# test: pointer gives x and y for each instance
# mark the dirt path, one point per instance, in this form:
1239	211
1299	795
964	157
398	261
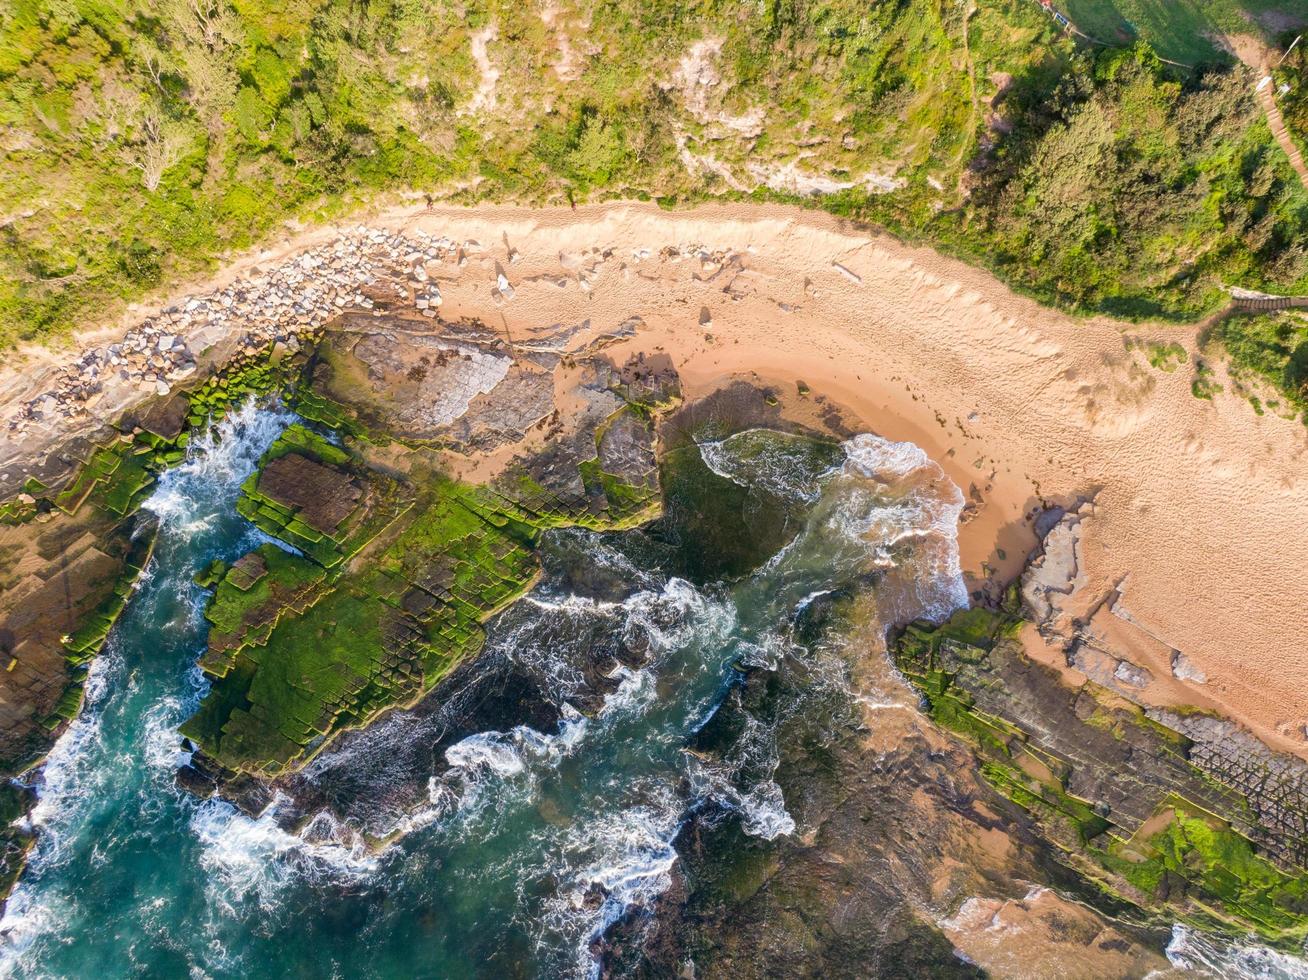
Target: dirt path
1255	54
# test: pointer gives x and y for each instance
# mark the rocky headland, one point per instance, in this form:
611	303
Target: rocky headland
466	381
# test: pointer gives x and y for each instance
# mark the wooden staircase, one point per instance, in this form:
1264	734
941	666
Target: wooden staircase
1268	303
1267	97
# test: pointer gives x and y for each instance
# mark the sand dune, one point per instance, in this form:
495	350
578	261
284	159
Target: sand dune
1198	506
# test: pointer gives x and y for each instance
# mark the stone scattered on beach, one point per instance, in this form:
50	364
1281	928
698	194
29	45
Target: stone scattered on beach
270	305
1184	670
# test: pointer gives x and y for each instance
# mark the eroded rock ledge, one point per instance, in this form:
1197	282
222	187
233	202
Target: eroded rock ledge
401	561
400	564
1171	808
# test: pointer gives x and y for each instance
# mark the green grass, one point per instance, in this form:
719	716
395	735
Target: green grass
147	140
1164	357
1203	385
1182	30
1270	351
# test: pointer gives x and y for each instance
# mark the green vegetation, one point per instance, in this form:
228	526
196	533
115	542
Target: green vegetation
1269	350
145	140
1203	385
1291	79
1201	854
1186	31
1163	357
302	648
305	645
1183	857
251	595
320	487
1127	191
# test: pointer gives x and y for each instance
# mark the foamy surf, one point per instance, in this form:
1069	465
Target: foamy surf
510	833
767	460
217	461
1190	950
917	503
614	861
251	859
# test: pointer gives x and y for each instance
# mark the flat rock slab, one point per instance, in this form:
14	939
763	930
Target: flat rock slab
322	496
419	384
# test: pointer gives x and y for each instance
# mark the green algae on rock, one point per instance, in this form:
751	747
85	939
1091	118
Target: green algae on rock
1112	790
73	545
396	571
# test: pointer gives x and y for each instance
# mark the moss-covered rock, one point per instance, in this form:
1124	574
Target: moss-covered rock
1111	789
390	590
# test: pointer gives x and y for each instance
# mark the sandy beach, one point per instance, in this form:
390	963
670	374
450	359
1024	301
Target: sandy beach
1194	515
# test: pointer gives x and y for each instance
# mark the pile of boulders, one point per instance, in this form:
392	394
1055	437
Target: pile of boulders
272	306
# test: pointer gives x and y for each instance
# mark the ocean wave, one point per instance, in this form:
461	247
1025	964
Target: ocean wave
671	618
217	461
761	806
610	863
486	766
253	859
765	459
73	776
161	745
1192	950
912	503
872	456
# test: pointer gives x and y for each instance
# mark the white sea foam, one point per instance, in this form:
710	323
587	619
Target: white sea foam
221	457
73	781
763	812
161	744
761	806
765	653
1191	950
678	613
71	776
488	752
614	860
917	502
252	859
767	460
637	690
878	458
486	765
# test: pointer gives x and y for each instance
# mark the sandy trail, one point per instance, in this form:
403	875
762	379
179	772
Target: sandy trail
1199	506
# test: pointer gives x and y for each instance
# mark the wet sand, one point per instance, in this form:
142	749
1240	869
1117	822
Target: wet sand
1198	506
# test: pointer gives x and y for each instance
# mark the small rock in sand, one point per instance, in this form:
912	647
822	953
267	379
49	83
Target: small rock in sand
1184	670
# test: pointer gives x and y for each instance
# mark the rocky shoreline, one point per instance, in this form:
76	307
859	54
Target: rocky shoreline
360	381
557	428
364	270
